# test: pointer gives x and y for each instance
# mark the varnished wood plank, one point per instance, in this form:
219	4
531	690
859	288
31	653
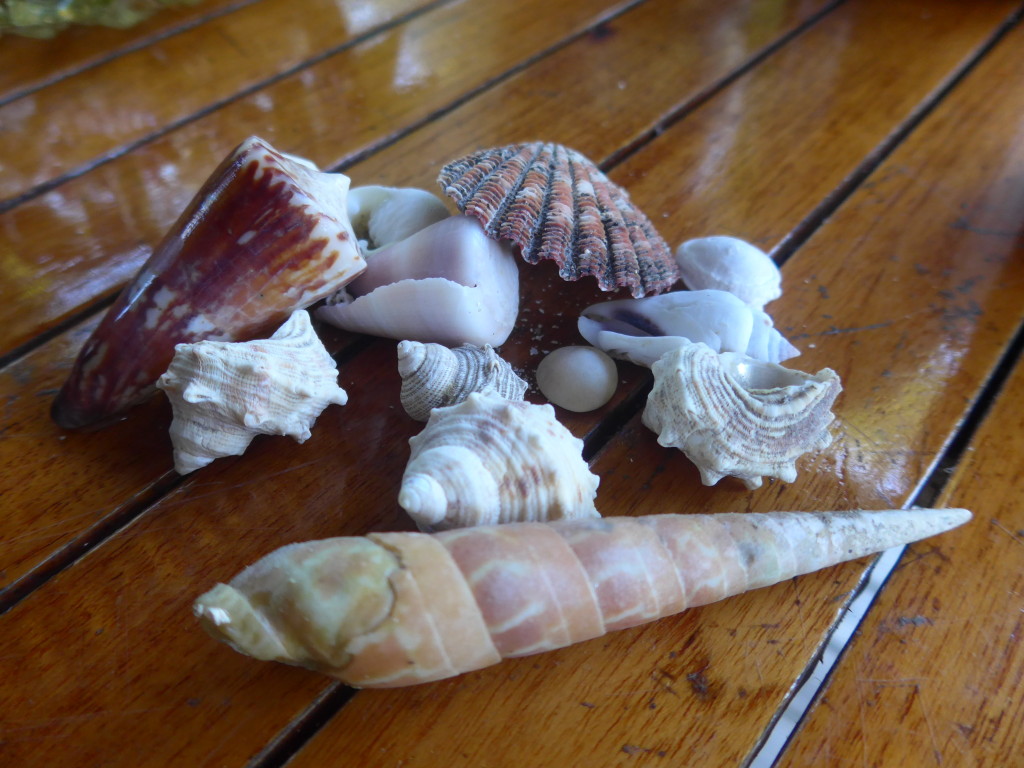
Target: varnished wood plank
901	256
80	119
69	247
934	675
49	517
202	532
28	64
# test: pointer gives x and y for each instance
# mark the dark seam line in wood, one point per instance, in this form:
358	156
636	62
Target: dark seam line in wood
124	149
926	494
81	545
705	95
803	231
291	739
355	157
386	141
138	45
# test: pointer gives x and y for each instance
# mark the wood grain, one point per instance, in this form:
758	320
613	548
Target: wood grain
933	676
121	611
78	243
50	517
134	96
28	64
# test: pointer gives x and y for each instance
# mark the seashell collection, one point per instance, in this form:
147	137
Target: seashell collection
434	376
554	203
490	460
223	394
733	415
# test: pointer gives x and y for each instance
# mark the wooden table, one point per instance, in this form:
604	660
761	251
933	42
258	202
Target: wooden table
874	147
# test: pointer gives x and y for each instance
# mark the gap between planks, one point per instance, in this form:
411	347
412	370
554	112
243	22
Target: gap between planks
138	45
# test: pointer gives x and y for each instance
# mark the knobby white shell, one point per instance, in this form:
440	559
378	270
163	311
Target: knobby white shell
223	394
733	415
434	376
381	216
490	460
642	330
730	264
449	283
579	379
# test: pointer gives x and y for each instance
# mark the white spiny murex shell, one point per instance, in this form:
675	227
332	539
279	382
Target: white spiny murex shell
434	376
491	460
733	415
730	264
642	330
223	394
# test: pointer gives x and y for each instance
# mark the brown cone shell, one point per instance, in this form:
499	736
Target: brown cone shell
554	203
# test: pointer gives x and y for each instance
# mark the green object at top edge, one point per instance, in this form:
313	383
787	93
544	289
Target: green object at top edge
45	18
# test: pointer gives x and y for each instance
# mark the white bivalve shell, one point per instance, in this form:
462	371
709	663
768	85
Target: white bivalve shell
381	216
730	264
434	376
223	394
491	460
733	415
642	330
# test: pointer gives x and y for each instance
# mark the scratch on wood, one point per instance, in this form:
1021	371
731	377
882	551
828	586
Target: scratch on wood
1007	531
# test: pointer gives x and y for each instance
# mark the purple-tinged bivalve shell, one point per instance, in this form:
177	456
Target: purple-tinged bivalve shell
554	203
266	234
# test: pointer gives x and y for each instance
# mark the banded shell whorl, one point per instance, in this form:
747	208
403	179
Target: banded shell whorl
489	460
223	394
434	376
556	204
733	415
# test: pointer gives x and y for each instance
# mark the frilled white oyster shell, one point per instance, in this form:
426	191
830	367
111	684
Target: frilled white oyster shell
730	264
223	394
434	376
733	415
448	284
491	460
642	330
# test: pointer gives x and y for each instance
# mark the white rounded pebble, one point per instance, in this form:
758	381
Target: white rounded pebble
577	378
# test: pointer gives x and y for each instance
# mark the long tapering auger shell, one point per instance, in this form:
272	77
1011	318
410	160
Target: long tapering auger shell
223	394
556	204
492	460
434	376
394	609
733	415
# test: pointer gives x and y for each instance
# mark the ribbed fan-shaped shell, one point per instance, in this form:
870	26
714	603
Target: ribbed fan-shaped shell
434	376
733	415
490	460
556	204
225	393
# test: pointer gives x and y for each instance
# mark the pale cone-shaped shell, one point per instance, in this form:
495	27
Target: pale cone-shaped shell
730	264
434	376
381	216
733	415
223	394
393	609
491	460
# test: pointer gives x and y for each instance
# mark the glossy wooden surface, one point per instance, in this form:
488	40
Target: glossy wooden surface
874	144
